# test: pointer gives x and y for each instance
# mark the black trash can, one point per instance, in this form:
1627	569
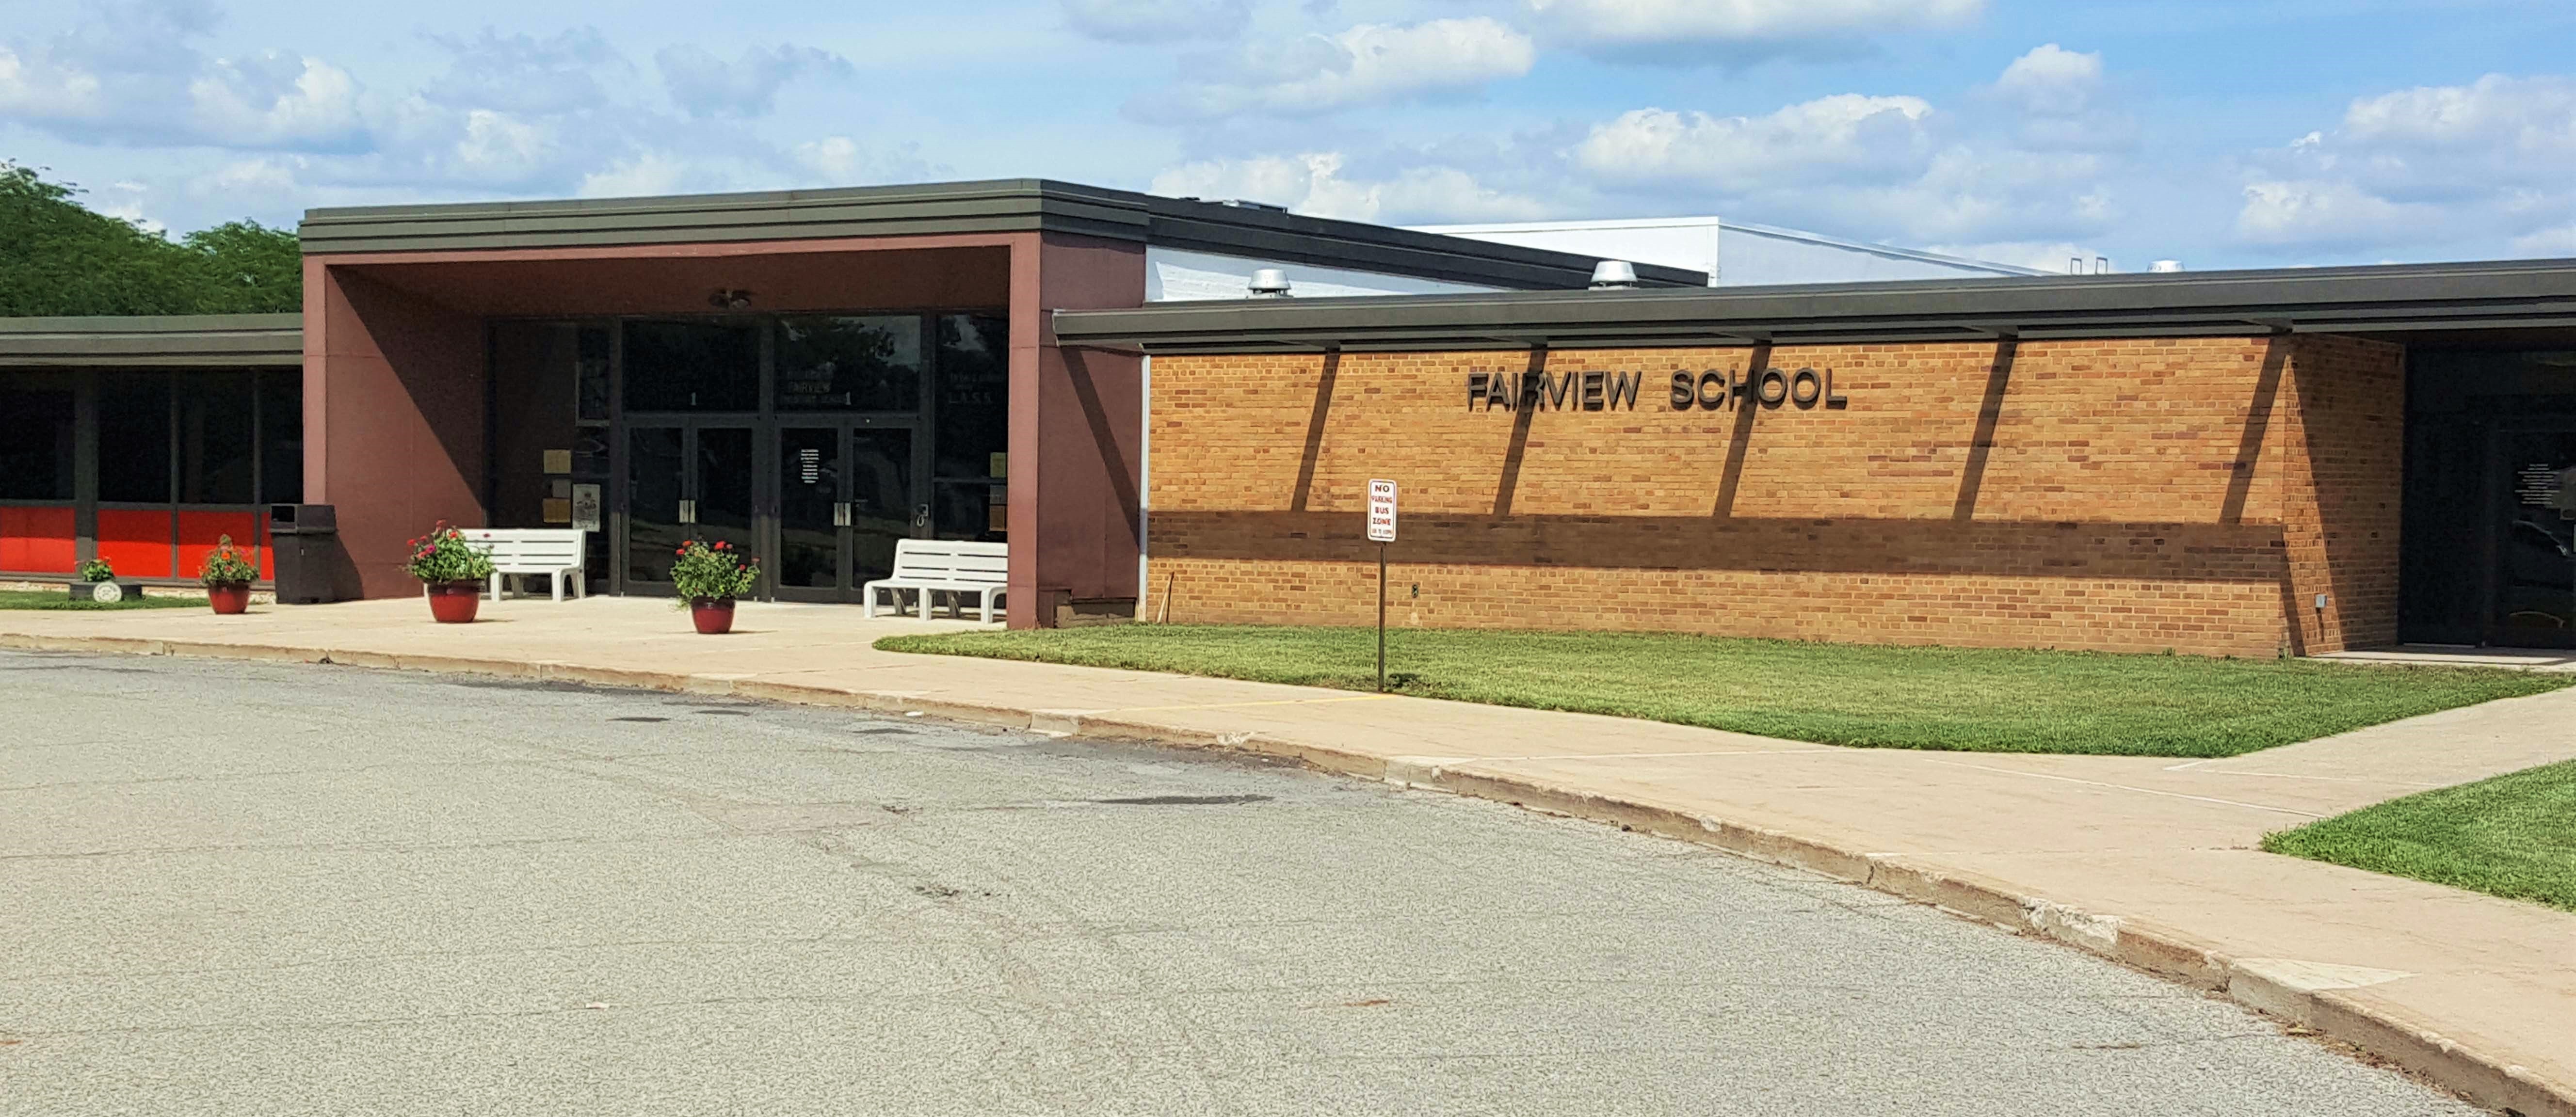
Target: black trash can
306	539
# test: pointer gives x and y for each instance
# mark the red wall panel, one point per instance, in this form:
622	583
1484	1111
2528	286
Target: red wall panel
36	540
200	531
136	541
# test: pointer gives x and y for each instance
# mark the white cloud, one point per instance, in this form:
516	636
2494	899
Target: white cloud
1158	21
705	85
1718	31
2491	162
2062	101
1365	65
499	147
41	89
2319	213
842	161
109	76
124	200
1834	136
2052	81
1313	184
837	158
252	177
2527	117
649	173
275	100
2549	243
525	74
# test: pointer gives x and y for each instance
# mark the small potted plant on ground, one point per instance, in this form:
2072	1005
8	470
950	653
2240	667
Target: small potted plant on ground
710	576
227	574
453	572
98	583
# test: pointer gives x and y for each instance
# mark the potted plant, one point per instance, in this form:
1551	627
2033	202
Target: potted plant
710	576
97	582
453	572
227	574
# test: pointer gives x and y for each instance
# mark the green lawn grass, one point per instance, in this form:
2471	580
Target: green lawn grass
57	599
1983	700
2512	836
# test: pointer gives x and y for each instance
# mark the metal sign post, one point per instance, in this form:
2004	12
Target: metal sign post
1381	530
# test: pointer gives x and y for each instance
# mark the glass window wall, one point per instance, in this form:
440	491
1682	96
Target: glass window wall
214	436
36	444
849	364
692	366
134	437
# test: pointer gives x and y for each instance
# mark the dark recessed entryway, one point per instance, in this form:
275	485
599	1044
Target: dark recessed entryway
2488	558
812	441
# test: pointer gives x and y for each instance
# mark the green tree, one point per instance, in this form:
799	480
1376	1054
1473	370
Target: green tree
57	257
248	268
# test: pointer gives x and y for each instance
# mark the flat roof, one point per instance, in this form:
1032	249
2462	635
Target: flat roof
194	340
999	205
2402	300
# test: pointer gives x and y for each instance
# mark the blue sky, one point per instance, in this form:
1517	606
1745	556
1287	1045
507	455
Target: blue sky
2225	134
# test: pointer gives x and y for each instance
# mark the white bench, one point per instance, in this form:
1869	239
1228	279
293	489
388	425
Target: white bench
548	552
928	566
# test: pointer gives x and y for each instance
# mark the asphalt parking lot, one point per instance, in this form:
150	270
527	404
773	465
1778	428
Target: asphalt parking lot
236	889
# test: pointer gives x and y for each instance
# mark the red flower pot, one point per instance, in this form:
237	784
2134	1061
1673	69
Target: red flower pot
455	602
228	600
712	615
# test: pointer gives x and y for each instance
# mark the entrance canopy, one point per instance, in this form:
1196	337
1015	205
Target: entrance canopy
811	373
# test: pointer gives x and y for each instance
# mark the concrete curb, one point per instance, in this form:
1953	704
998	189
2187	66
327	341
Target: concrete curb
2374	1029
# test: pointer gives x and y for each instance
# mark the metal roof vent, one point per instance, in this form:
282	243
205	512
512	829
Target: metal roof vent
1269	283
1614	275
2165	265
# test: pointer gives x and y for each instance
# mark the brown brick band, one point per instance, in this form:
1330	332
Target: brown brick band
2194	494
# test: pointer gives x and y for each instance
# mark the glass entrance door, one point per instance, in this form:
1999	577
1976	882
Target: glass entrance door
846	491
684	480
2535	544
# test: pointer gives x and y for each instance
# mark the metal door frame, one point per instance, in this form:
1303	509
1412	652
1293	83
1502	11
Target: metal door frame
765	424
772	542
2491	529
621	478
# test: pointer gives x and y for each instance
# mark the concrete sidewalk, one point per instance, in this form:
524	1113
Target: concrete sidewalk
2145	860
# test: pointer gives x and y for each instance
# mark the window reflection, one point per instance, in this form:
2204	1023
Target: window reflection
692	366
849	364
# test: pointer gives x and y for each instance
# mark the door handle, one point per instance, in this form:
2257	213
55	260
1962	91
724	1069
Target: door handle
688	511
921	515
841	514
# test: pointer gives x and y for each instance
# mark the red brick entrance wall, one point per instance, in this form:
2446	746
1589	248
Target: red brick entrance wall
2137	495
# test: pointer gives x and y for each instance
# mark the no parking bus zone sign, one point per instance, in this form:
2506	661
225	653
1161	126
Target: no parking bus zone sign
1381	531
1381	512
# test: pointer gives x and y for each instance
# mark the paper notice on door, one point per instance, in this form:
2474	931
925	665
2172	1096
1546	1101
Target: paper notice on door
585	507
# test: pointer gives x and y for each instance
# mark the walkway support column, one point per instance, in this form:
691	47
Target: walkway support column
393	419
1077	430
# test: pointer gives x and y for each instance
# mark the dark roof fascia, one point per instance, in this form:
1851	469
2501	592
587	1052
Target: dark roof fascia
952	208
189	340
1001	206
2376	299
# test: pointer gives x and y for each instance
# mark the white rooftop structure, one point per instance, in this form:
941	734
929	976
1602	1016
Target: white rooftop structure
1732	253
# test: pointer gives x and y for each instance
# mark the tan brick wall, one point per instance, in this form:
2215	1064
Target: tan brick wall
2342	475
2129	494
